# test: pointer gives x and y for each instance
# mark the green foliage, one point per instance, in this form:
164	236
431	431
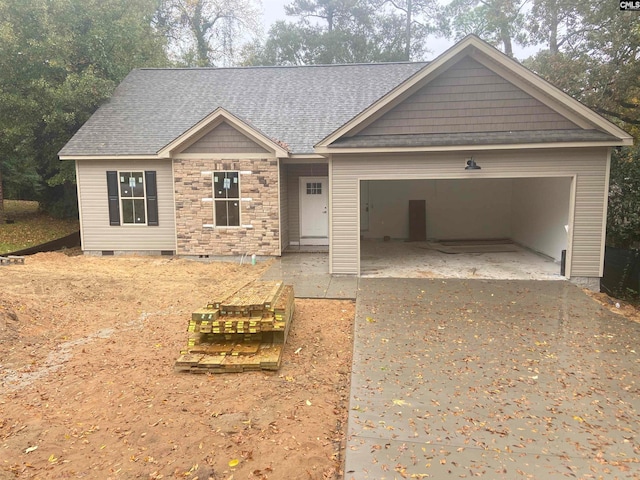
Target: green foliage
499	22
623	221
346	31
206	33
598	62
59	60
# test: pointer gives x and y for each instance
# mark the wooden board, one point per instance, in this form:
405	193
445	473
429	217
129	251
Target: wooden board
244	332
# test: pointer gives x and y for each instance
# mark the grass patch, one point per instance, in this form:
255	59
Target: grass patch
30	226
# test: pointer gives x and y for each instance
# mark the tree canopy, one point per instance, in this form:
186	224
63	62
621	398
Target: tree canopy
58	61
207	33
348	31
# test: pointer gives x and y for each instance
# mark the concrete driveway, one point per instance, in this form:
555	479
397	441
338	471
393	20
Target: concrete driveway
493	379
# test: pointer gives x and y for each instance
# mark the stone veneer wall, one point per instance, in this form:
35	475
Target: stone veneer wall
259	231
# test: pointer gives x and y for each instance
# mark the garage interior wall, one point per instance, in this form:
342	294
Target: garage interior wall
540	211
530	211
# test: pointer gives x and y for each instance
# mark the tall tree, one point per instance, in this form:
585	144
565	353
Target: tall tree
207	33
623	219
499	22
555	24
598	61
421	18
59	59
592	51
337	31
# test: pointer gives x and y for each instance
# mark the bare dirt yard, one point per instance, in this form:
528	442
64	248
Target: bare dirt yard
88	387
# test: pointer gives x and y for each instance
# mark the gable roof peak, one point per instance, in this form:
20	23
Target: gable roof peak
505	66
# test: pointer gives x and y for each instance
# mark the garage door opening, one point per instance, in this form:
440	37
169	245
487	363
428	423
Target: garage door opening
511	228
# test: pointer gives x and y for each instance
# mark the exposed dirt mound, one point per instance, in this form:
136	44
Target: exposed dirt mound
615	305
9	321
88	387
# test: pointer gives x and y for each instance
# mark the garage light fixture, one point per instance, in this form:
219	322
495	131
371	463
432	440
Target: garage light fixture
472	165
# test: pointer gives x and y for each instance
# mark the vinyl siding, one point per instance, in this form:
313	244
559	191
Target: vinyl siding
468	97
284	206
97	234
588	165
224	139
294	172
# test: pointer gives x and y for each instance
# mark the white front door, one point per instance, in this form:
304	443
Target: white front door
314	211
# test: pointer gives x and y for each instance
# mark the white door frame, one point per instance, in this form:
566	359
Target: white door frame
313	240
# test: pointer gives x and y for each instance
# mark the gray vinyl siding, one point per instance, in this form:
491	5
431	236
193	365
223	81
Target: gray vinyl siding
284	206
294	172
225	139
92	196
588	165
468	97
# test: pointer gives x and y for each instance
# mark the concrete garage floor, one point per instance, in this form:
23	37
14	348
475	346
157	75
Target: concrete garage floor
421	260
498	379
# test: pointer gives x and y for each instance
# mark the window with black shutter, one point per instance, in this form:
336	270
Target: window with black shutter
133	198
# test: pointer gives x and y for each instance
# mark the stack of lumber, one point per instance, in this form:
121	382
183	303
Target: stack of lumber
245	331
9	259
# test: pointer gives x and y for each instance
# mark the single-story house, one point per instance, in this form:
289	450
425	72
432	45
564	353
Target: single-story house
235	161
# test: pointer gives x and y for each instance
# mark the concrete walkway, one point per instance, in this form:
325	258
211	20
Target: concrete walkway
497	379
309	275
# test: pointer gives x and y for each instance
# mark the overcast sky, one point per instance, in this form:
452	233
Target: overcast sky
274	11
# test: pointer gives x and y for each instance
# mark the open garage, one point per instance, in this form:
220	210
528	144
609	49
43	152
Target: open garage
472	149
482	228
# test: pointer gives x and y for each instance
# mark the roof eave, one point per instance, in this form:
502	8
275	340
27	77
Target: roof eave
134	156
468	147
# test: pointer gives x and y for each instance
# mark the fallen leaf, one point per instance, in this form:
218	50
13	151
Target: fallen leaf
31	449
234	462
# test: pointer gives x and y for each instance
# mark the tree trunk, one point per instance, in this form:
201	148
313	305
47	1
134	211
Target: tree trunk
3	217
506	41
202	47
553	29
407	48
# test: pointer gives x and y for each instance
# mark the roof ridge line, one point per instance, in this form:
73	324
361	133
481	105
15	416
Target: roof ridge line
257	67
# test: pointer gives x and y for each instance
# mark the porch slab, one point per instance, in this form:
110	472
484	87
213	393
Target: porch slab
309	275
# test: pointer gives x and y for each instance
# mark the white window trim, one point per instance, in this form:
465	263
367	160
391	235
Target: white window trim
144	198
239	199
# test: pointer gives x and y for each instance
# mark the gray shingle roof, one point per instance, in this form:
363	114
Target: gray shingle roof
480	138
295	105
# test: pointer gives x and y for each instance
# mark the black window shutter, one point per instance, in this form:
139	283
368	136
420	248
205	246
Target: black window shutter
114	198
152	198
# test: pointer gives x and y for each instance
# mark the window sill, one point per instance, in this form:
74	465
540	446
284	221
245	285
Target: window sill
233	227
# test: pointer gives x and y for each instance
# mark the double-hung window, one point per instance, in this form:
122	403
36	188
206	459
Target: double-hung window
133	198
226	198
